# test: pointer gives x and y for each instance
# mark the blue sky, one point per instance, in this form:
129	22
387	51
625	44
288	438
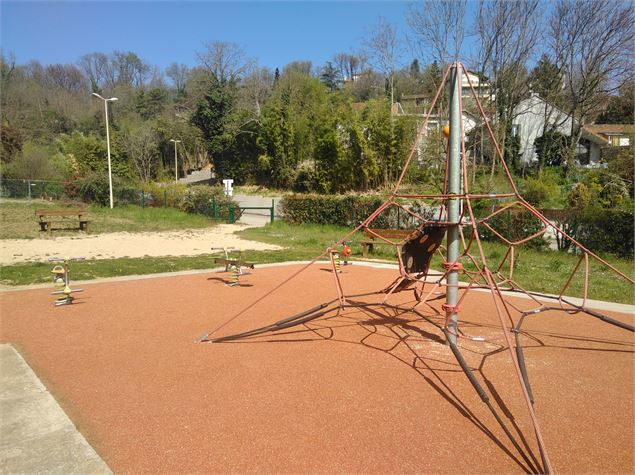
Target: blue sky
275	33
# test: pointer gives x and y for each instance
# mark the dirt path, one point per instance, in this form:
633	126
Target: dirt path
113	245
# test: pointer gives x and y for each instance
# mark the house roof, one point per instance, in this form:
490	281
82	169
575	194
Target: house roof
611	129
593	137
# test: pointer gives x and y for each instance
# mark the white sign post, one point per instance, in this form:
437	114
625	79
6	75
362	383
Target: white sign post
229	190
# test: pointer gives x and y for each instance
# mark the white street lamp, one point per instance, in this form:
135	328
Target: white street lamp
176	170
112	99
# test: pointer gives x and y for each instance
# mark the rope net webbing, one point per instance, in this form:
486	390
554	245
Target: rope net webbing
496	282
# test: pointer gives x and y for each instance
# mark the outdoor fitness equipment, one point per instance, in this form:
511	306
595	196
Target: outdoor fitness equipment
455	221
232	264
62	280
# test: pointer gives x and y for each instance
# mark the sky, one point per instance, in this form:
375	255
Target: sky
163	32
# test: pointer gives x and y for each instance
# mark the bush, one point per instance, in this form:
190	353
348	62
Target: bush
165	194
605	230
207	200
339	210
94	188
91	188
579	197
514	224
540	191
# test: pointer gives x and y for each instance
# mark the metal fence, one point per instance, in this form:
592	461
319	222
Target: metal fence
31	189
216	209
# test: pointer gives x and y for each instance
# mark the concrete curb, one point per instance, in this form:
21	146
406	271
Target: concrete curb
37	435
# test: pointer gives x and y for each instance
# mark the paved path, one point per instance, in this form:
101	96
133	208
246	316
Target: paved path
36	435
260	202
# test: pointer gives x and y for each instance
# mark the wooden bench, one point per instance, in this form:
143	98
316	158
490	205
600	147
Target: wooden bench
394	235
47	217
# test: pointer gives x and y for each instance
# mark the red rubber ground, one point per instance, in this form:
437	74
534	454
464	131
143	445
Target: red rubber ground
366	391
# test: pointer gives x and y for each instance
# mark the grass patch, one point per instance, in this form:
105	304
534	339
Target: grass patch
19	221
540	271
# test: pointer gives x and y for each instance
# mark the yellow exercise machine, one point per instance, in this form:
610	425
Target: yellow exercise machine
62	280
232	264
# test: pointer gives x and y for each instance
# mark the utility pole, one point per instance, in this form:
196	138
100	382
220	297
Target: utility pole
106	101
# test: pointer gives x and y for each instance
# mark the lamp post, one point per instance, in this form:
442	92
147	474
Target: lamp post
112	99
176	170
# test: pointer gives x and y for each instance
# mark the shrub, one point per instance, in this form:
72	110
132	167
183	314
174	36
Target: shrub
347	210
203	199
514	224
605	230
579	197
91	188
538	192
597	229
165	194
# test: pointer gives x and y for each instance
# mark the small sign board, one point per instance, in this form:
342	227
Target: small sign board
229	189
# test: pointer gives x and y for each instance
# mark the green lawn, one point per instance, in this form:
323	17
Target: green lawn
19	222
540	271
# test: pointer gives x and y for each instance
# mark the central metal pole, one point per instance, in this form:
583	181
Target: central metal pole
454	204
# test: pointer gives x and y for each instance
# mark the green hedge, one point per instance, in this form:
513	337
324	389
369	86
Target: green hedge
514	224
605	230
348	210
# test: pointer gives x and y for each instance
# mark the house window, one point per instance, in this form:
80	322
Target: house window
614	140
515	130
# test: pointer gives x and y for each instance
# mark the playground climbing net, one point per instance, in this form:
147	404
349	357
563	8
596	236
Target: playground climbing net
456	214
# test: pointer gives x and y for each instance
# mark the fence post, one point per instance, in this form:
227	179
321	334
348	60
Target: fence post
165	198
273	207
231	214
214	210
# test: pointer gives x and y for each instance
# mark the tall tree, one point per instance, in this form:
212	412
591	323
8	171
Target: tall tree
329	76
592	43
213	117
437	29
226	61
508	34
619	109
178	73
140	145
384	51
256	87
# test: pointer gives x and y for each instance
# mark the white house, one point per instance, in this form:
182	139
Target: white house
481	86
600	136
532	117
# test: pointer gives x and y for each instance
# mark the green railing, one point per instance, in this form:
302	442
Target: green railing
217	209
31	189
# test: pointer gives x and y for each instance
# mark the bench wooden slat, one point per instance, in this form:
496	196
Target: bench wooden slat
387	233
391	234
60	212
45	215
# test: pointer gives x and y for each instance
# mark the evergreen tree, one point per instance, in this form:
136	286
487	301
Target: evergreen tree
213	117
545	79
329	76
414	68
